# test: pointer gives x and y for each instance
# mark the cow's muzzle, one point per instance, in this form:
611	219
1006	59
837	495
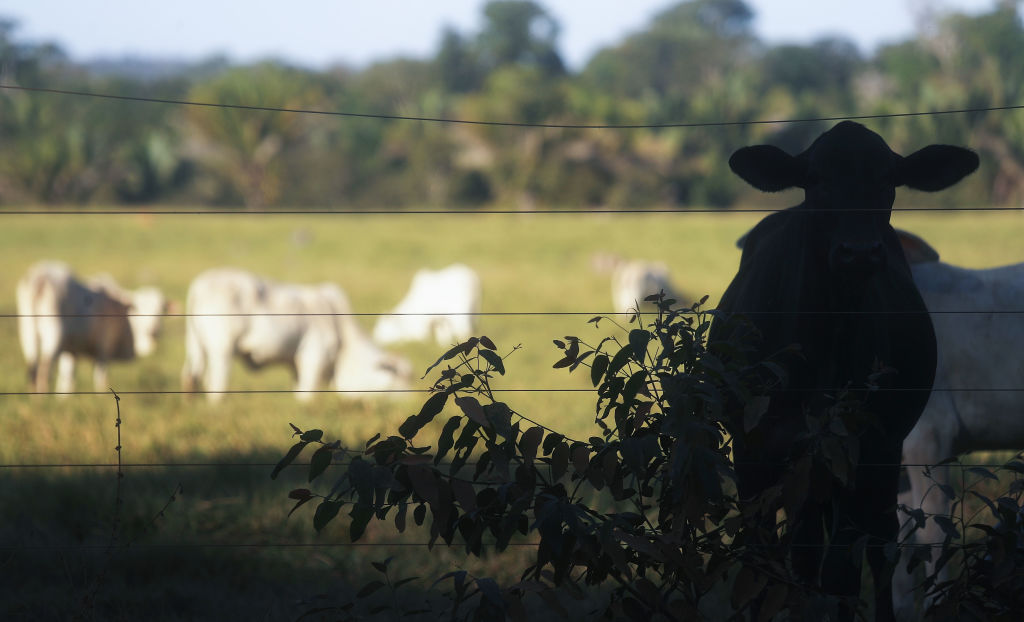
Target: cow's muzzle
859	258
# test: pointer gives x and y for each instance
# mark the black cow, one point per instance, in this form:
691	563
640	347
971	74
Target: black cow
829	275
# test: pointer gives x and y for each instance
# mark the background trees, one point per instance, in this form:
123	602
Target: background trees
698	61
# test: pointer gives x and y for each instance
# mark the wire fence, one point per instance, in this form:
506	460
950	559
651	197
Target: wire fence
9	467
516	124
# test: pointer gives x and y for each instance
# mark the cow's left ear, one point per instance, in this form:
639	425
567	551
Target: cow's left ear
768	168
936	167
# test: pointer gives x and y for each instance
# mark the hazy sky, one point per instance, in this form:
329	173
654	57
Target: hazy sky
316	33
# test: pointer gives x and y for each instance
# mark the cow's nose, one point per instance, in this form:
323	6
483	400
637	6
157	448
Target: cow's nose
867	257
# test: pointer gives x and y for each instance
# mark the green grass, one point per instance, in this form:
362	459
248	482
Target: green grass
528	263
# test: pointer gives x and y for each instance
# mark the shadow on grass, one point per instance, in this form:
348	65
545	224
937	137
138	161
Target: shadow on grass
223	549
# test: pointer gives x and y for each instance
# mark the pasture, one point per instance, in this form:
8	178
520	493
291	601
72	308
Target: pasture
205	557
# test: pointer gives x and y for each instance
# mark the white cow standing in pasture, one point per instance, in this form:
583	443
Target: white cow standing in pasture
979	353
441	305
633	280
61	317
233	312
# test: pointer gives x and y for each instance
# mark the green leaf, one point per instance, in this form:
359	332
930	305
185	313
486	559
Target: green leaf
983	472
447	439
494	360
369	588
559	460
491	592
638	340
289	457
320	461
301	503
303	495
472	408
620	359
312	436
487	343
752	411
434	405
361	514
325	513
597	368
530	441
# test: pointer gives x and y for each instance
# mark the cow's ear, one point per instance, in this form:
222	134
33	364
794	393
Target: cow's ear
742	241
915	249
767	168
936	167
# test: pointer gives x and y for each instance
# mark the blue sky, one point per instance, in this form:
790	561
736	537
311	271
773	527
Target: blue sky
317	33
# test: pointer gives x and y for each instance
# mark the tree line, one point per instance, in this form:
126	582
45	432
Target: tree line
698	61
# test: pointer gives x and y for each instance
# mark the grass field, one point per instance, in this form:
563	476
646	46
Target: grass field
187	564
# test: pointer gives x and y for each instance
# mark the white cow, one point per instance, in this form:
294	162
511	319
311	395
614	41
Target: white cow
980	351
307	327
634	280
61	316
441	305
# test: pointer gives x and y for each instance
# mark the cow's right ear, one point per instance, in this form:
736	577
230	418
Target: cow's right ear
767	168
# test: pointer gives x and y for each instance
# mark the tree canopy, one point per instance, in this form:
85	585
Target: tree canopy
696	62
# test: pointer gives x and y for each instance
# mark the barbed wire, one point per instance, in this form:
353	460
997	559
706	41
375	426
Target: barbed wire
424	391
506	313
571	126
174	465
249	545
481	212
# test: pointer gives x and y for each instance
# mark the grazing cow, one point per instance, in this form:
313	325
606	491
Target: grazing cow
61	316
307	327
441	305
634	280
978	351
829	275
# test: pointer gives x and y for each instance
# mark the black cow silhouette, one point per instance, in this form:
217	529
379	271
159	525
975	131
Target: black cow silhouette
829	275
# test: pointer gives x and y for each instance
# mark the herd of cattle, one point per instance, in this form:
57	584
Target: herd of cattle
830	274
234	313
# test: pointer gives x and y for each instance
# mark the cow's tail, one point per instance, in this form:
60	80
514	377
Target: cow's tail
195	356
28	333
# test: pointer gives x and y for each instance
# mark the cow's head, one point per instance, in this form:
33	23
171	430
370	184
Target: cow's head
144	316
849	176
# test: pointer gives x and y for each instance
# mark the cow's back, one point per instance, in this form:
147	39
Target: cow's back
980	338
79	319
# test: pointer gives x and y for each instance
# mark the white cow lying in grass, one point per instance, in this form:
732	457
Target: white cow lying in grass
61	316
634	280
441	305
236	313
979	351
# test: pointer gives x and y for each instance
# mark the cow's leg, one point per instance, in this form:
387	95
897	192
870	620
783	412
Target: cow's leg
195	360
880	519
218	366
310	369
808	539
926	445
840	576
50	337
870	510
99	375
65	373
